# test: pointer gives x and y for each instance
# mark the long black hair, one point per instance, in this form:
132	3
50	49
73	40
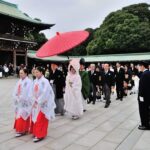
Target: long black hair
40	69
25	71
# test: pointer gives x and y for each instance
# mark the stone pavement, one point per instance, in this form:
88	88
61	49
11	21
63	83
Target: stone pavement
114	128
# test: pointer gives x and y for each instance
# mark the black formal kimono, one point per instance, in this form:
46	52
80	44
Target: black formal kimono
57	81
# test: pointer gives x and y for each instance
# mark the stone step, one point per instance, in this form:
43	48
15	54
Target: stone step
131	140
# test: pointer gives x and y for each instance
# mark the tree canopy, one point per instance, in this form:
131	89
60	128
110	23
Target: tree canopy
124	31
40	38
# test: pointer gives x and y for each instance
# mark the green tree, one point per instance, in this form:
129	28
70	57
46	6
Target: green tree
123	31
40	38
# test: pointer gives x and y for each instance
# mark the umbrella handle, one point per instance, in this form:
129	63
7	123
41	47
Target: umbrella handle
68	57
57	33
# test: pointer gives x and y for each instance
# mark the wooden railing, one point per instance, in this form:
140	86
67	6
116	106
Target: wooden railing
10	37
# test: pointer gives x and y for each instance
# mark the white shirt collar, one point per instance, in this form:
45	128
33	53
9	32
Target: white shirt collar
145	70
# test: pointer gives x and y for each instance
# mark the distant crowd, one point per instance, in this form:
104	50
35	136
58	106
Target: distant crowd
7	70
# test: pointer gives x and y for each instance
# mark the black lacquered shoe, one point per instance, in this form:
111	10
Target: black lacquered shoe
143	128
19	134
84	110
106	105
35	140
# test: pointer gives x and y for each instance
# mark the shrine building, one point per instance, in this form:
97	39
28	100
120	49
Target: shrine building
16	30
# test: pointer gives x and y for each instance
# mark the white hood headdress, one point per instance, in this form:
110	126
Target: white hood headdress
75	64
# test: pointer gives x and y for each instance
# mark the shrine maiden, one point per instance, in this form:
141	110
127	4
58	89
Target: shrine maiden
43	105
73	95
22	97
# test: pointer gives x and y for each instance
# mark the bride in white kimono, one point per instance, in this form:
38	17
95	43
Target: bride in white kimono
43	105
73	95
22	97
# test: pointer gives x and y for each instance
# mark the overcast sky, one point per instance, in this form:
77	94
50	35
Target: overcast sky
69	15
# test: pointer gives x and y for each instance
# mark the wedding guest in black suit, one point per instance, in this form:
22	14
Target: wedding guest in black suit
144	97
119	78
107	83
94	80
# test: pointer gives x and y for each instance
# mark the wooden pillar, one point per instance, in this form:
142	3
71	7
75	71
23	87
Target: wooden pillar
14	59
26	59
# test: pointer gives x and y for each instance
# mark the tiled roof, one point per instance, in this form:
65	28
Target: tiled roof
12	10
97	58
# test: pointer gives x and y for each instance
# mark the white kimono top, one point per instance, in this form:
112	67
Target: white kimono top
22	97
44	96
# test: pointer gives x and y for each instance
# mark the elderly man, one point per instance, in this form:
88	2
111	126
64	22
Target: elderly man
107	83
94	80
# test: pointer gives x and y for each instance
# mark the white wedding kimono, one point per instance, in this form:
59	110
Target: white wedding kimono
73	96
22	97
44	96
136	84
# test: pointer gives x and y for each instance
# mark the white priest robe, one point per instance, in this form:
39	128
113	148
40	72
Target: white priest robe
22	97
44	96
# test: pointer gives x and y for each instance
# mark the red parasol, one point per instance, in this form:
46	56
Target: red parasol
61	43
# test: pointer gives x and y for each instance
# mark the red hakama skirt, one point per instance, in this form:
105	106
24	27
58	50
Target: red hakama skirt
39	128
22	125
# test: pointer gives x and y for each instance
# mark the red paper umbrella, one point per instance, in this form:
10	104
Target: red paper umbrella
61	43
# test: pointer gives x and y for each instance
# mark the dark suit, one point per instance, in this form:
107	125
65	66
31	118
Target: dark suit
134	71
144	98
94	79
107	83
1	69
119	78
100	91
